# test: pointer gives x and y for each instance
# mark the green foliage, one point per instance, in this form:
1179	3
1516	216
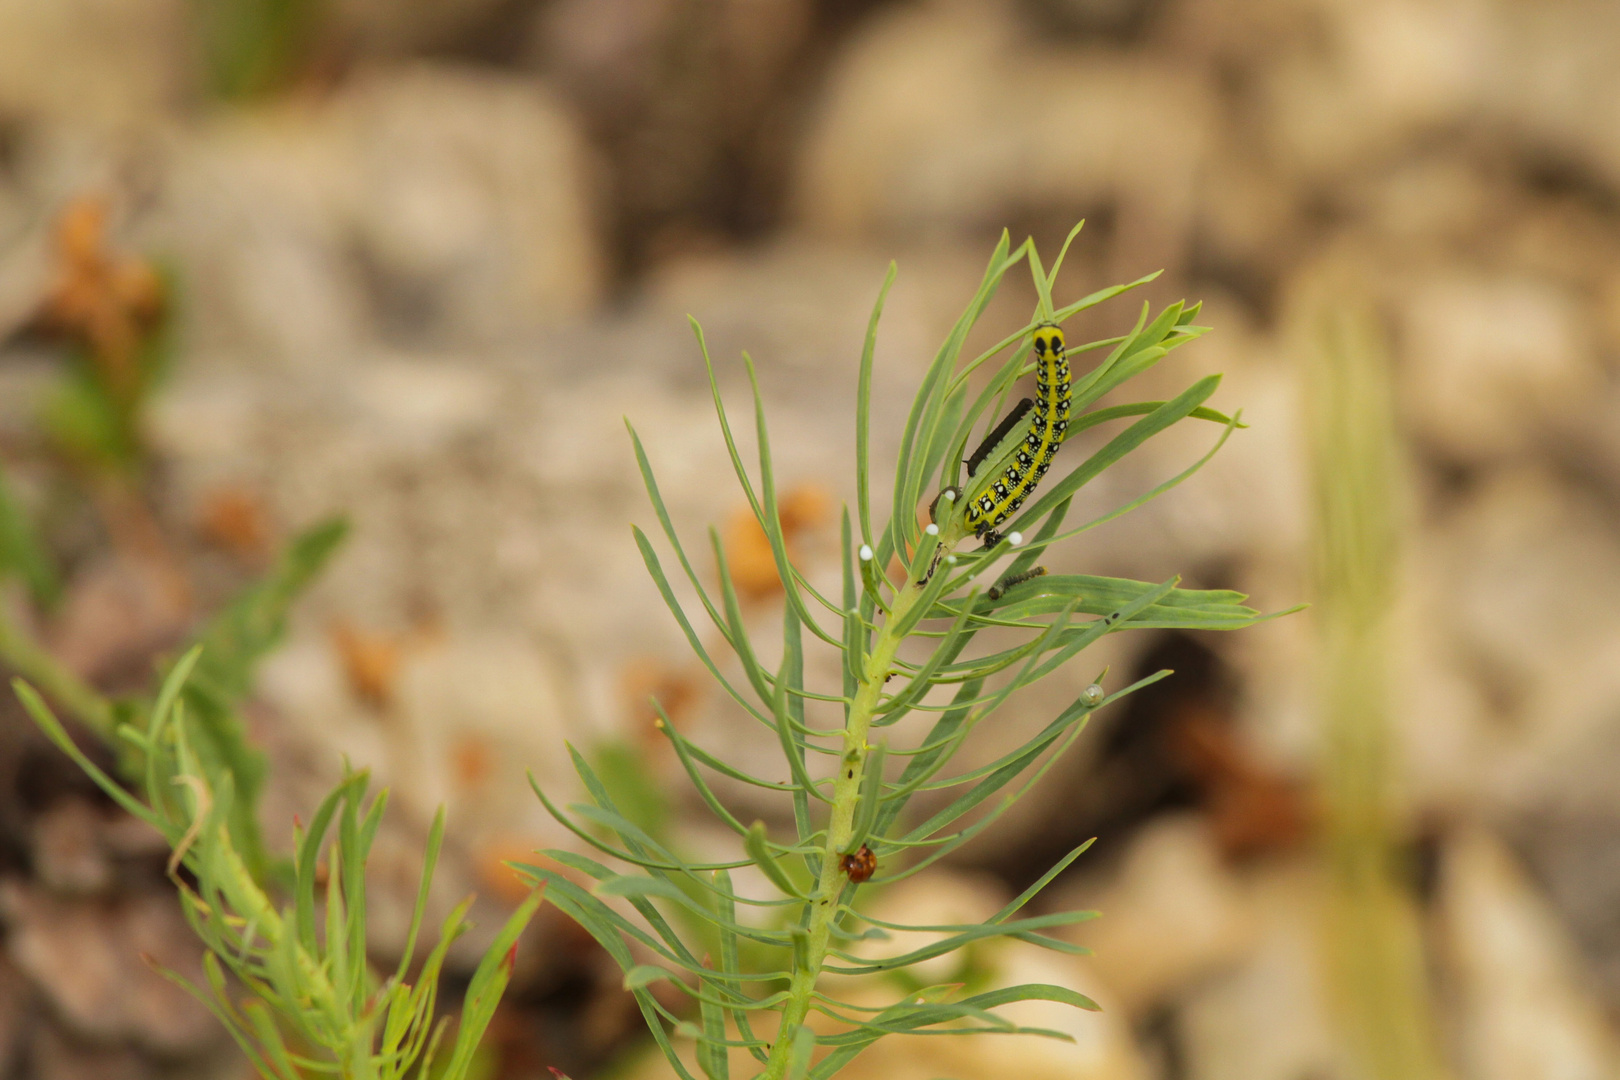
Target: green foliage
843	792
1375	959
250	47
93	413
232	644
22	555
315	1004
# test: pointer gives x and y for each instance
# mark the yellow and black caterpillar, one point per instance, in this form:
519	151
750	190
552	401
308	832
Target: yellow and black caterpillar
1004	470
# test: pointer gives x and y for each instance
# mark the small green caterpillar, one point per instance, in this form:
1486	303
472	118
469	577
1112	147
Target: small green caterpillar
1005	468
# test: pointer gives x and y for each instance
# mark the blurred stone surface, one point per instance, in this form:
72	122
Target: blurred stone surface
1172	915
1504	570
117	63
16	1002
943	117
438	204
1558	808
1524	1009
1491	364
393	285
1266	1017
86	956
391	28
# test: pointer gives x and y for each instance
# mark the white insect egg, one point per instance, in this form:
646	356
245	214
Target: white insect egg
949	494
866	553
932	530
1092	696
1014	539
950	560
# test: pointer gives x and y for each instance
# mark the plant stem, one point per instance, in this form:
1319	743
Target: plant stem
840	828
20	653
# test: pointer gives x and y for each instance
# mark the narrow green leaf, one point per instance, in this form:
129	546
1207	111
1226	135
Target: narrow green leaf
863	415
754	843
804	1044
22	554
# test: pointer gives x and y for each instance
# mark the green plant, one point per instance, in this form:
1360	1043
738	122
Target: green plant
1375	954
250	48
314	1005
846	806
290	933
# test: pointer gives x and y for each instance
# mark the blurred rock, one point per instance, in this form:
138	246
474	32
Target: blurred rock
1266	1017
16	1001
476	218
405	27
1357	82
925	129
96	62
1561	809
422	204
1558	94
1502	570
119	610
69	856
1524	1010
85	955
62	1055
1488	365
695	105
1171	916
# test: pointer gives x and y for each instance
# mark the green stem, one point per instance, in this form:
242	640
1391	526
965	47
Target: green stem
20	653
840	827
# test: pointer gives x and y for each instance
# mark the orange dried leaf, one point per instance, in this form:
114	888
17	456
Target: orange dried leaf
371	662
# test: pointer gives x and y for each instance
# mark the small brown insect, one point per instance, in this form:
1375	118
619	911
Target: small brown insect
859	865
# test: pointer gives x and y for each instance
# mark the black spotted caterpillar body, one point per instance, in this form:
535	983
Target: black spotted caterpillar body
1005	469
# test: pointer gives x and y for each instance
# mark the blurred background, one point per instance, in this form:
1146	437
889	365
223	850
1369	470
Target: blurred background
412	262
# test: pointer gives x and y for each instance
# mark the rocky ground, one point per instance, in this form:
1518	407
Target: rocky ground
424	280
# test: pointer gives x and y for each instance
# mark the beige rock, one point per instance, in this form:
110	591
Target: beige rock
476	194
1173	915
111	63
1267	1017
1487	363
1559	92
1357	82
85	955
69	855
1523	1009
396	27
429	203
1506	562
925	128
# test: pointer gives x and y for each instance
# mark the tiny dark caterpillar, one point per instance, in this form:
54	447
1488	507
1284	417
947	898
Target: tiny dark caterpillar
997	494
999	589
859	865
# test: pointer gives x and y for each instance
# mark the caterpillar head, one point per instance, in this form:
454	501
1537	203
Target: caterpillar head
1047	339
